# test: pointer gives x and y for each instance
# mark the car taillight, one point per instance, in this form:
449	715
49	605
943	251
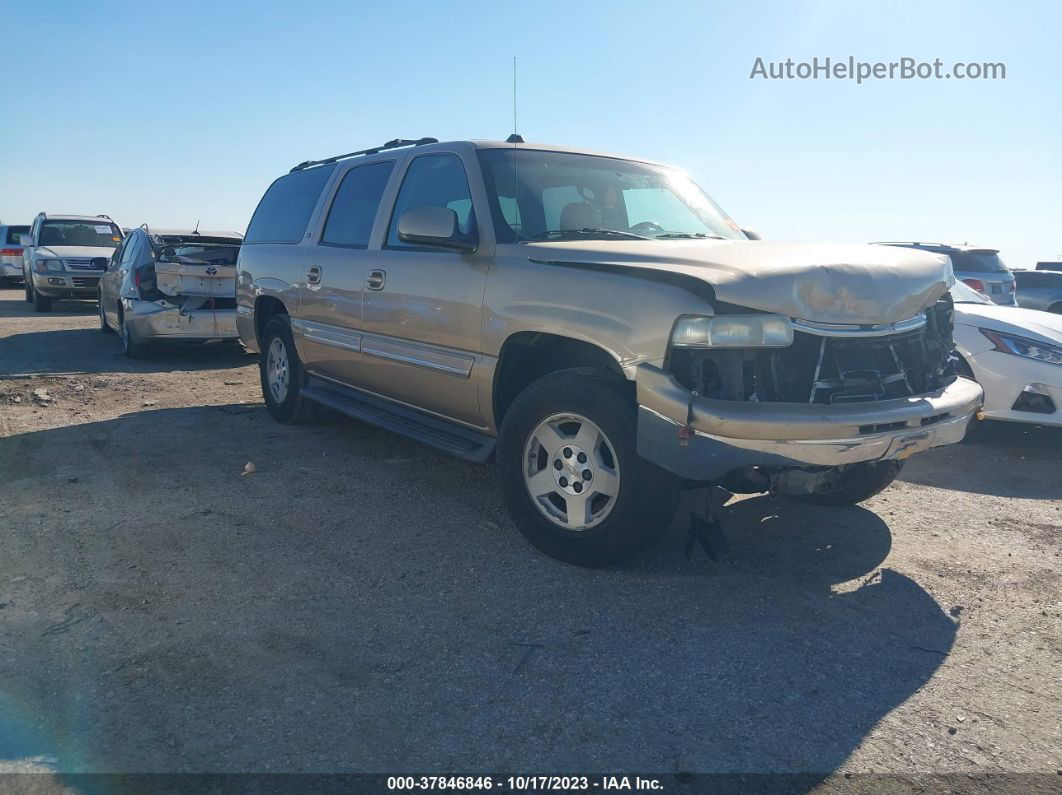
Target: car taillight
10	252
976	284
1014	285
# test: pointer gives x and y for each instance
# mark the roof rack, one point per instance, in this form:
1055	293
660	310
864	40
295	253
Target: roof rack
395	144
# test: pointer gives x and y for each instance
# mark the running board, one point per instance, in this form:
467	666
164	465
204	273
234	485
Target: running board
416	425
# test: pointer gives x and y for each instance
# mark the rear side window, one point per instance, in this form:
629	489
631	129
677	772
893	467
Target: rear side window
285	210
433	181
354	207
14	234
976	262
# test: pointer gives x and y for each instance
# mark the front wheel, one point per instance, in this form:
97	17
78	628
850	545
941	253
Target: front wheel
103	317
283	376
570	473
857	482
29	291
41	303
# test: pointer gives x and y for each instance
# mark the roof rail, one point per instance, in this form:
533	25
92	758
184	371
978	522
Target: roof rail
394	144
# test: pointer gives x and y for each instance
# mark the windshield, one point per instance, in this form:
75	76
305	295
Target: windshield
976	262
103	234
963	294
537	195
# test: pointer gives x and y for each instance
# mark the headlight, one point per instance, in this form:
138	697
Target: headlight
45	265
733	331
1021	346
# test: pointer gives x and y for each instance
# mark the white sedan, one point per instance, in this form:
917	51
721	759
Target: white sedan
1014	354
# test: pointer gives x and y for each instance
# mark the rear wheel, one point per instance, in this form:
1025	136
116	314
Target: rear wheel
134	347
41	303
571	476
858	482
283	376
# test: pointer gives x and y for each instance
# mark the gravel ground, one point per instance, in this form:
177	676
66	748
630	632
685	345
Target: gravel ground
362	604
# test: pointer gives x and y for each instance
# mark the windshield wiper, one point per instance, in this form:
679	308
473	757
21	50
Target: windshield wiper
587	231
687	236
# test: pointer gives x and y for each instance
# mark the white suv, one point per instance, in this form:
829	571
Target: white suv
64	256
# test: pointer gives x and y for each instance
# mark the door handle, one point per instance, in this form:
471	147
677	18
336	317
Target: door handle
376	280
313	275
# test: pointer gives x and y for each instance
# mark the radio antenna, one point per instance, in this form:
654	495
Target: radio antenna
514	95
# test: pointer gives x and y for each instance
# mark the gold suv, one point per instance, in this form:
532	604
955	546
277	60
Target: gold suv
599	328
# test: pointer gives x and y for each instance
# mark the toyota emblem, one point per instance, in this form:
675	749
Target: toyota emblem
212	271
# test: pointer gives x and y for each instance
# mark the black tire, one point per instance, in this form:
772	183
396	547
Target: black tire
647	495
132	345
103	318
41	303
295	408
858	482
29	291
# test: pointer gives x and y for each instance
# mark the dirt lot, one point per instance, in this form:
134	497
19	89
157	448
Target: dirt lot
360	603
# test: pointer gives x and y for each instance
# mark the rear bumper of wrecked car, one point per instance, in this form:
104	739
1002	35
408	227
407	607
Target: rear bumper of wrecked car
158	320
703	439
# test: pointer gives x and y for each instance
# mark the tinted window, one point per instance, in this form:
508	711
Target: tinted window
1049	266
285	210
14	233
434	181
354	207
976	262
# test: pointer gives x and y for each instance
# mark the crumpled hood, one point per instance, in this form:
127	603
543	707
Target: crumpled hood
1029	323
73	252
825	283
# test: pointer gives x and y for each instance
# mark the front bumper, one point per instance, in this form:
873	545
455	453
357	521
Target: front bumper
63	284
154	320
1004	378
702	439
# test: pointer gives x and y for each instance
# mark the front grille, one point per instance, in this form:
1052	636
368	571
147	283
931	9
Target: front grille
95	264
85	281
830	370
837	370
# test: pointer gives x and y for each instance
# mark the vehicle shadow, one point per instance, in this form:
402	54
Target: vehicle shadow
1004	459
52	352
13	305
362	604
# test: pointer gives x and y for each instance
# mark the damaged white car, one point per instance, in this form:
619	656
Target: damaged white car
170	286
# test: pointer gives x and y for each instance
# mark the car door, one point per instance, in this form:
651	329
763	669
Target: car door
330	311
117	278
422	306
109	282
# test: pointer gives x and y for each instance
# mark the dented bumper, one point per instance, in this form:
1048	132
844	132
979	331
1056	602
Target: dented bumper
162	320
703	439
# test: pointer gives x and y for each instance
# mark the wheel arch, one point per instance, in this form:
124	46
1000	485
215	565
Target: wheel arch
527	356
266	307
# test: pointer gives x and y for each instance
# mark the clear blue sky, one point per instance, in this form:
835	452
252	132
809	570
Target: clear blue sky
173	112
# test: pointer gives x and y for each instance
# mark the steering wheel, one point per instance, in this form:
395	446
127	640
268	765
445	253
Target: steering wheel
646	226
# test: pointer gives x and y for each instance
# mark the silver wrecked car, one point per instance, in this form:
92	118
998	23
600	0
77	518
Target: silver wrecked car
170	286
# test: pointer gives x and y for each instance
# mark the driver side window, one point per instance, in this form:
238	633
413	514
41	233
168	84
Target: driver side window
434	181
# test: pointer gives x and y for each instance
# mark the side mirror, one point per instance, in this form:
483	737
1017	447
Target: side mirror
433	226
751	234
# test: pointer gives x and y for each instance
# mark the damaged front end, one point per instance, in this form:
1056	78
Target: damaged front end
804	400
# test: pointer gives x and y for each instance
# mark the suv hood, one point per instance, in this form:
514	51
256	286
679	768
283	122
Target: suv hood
824	283
73	252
